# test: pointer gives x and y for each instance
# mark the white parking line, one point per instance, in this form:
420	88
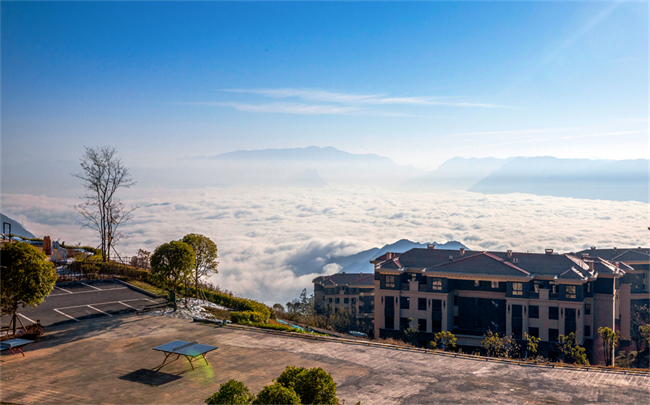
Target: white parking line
75	319
91	286
62	289
98	310
27	318
94	291
126	305
104	303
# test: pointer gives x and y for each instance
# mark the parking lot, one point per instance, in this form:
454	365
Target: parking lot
81	301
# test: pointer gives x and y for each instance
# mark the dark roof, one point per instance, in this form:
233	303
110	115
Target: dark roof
632	255
544	263
369	278
422	258
480	263
572	274
602	266
610	254
345	278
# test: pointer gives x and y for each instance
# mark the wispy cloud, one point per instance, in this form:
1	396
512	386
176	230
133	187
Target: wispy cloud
319	95
283	108
308	101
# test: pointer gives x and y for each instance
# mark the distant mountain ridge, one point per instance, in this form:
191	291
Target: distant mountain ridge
310	153
16	227
619	180
360	262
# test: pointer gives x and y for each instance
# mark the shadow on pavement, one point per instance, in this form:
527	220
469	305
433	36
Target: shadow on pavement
150	377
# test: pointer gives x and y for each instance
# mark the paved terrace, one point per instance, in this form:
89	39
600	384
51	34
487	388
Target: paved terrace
108	360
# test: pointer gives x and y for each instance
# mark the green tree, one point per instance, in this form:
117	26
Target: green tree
492	344
205	257
571	351
231	392
26	278
610	340
532	343
315	386
173	263
288	376
445	338
277	394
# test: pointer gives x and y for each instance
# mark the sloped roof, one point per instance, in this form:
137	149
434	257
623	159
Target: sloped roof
572	274
610	254
480	263
543	263
602	266
632	255
345	278
422	258
368	279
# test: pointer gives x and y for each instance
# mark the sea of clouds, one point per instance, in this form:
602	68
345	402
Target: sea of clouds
274	241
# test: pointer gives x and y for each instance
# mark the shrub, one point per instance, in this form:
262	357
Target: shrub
231	392
247	317
444	338
315	386
288	376
277	394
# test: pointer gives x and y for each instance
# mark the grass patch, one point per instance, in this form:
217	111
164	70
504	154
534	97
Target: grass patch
146	286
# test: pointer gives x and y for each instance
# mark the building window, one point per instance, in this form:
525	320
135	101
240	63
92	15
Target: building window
403	323
476	283
422	304
404	303
536	287
495	303
587	309
553	313
553	335
390	282
354	301
587	330
553	289
588	287
517	289
533	311
436	284
422	325
346	300
389	322
533	332
337	300
494	326
330	300
436	305
517	311
570	292
495	284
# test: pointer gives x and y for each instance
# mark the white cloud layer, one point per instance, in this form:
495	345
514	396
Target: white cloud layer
273	241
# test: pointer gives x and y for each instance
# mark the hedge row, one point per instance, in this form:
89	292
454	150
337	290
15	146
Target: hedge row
235	303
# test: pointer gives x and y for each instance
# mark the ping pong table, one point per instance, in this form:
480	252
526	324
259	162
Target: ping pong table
191	350
15	344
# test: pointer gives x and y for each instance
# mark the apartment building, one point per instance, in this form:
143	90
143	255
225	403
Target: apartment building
353	292
543	294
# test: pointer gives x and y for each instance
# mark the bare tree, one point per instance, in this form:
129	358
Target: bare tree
103	174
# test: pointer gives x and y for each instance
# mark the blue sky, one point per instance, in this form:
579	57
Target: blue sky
417	82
